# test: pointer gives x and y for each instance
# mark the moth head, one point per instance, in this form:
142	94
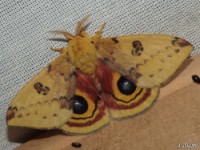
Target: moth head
79	45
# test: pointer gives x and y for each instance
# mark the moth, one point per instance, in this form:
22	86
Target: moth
95	79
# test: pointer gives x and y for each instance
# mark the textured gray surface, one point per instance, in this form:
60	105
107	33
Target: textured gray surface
25	48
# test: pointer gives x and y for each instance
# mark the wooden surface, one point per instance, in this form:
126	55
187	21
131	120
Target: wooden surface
172	123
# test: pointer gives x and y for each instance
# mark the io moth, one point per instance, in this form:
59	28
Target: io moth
95	79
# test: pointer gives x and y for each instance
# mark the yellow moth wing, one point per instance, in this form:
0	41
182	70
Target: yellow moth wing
44	102
148	59
121	96
95	118
131	105
93	114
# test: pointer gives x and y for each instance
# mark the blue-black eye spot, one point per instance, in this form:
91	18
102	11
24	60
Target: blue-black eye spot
126	86
80	105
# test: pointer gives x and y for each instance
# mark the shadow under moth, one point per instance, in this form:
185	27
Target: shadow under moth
95	79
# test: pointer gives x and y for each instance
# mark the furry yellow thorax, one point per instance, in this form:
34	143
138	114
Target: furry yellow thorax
82	53
81	50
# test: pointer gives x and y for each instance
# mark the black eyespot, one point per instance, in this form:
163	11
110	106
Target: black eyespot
80	105
126	86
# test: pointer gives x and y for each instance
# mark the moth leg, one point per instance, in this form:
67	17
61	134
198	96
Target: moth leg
67	35
58	49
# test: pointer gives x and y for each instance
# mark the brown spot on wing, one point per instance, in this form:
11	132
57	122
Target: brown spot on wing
184	43
114	39
137	48
145	61
176	50
55	115
19	116
49	67
137	65
169	55
180	42
41	89
38	87
54	99
175	40
151	75
61	73
10	113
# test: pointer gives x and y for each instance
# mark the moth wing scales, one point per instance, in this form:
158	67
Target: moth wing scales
123	102
44	102
95	116
148	59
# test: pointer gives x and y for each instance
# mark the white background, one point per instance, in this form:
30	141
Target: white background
25	48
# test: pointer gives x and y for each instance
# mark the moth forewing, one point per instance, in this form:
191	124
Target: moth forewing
45	101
